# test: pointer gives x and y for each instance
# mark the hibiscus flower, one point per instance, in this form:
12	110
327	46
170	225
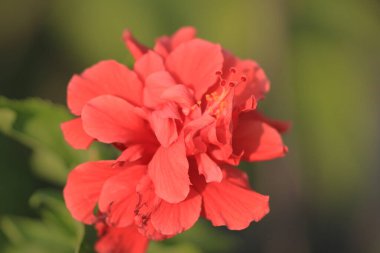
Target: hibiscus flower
183	118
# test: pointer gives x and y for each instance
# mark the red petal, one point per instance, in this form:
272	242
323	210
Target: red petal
164	128
132	153
258	140
111	119
208	168
195	63
280	126
122	240
193	144
75	135
257	83
105	77
179	94
168	170
149	63
155	85
148	202
229	204
118	198
171	219
183	35
164	45
137	50
83	187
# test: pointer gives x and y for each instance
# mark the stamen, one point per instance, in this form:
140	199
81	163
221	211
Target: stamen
233	70
243	78
223	82
218	73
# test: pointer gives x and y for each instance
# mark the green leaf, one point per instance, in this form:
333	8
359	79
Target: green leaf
36	124
55	232
7	118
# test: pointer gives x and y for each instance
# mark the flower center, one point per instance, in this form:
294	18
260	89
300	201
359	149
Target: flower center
217	101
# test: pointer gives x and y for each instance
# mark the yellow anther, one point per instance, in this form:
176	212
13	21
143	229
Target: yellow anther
199	102
208	98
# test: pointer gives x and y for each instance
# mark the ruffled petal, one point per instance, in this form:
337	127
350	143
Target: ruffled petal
137	49
111	119
208	168
229	204
195	64
257	83
164	45
194	143
149	63
83	187
118	199
279	125
105	77
181	95
75	135
257	140
164	128
135	152
183	35
168	170
148	202
171	219
122	240
155	85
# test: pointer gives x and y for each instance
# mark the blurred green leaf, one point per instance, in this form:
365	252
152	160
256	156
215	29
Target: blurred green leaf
88	241
36	124
55	232
184	247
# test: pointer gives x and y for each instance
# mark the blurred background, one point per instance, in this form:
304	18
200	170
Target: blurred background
322	58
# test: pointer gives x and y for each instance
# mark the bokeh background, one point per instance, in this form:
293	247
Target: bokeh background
322	58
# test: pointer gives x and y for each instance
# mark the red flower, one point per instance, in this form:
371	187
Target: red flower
119	240
183	117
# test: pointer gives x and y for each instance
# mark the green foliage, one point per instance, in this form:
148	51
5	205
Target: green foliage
35	123
55	231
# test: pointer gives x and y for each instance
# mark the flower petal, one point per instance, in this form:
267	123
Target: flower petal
195	63
257	83
119	198
137	49
229	204
280	126
149	63
83	187
132	153
75	135
164	128
179	94
122	240
105	77
183	35
148	202
111	119
171	219
258	140
208	168
168	170
164	45
155	85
